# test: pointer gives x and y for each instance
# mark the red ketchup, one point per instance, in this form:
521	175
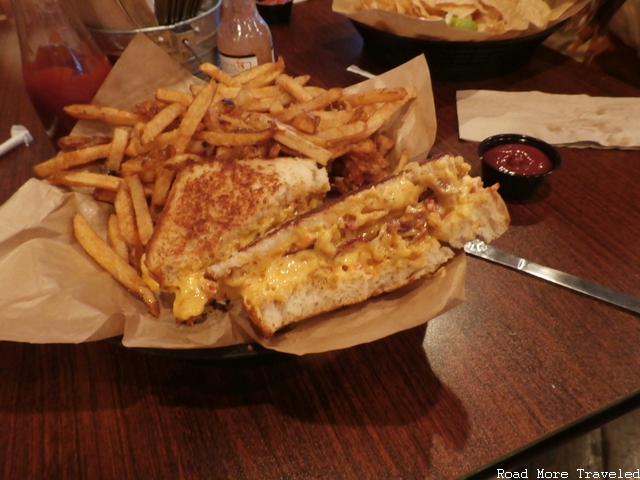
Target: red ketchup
518	159
59	76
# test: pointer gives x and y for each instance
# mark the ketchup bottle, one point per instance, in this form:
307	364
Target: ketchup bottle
61	63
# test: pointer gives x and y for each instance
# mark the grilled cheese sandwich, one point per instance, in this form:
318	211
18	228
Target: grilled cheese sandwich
214	209
371	241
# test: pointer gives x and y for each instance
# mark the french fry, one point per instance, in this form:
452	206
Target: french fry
382	115
115	237
194	115
258	121
379	95
216	73
147	109
314	90
77	142
223	92
140	208
269	91
230	139
332	118
167	95
245	100
276	108
83	178
75	158
306	122
350	132
109	260
161	121
319	102
116	152
229	121
147	189
127	220
135	148
254	75
148	174
162	186
110	115
144	166
106	196
262	75
294	88
386	111
133	166
180	161
277	93
288	137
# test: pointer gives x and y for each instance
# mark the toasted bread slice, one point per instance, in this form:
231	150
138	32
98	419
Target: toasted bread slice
216	208
374	240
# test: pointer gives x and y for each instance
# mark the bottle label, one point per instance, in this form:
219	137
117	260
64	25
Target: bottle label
233	64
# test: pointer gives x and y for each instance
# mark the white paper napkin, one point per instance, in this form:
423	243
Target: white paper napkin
567	120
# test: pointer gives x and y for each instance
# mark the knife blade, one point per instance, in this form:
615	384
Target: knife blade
480	249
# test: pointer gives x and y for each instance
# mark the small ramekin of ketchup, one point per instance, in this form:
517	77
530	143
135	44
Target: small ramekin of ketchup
518	163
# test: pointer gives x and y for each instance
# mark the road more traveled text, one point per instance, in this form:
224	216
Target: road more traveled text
579	473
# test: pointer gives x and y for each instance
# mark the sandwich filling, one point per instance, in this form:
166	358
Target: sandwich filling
384	236
216	208
384	225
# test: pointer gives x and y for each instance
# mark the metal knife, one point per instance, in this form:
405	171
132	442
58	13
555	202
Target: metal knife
480	249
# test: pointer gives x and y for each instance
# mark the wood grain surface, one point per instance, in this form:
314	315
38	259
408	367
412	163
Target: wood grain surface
518	363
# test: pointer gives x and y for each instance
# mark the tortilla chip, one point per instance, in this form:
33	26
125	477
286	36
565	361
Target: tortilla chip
491	16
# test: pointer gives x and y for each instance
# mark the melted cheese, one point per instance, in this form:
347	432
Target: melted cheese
151	283
363	259
332	252
375	229
193	292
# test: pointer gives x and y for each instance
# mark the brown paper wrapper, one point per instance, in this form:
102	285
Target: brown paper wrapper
54	293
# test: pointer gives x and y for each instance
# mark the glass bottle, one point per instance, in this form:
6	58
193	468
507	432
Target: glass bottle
244	38
61	63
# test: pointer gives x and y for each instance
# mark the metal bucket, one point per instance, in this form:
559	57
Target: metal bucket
190	42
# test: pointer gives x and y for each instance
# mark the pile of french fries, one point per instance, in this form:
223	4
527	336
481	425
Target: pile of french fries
258	113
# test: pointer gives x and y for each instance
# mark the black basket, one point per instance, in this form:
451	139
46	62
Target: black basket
457	61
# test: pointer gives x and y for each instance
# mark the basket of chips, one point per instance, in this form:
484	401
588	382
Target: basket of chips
461	39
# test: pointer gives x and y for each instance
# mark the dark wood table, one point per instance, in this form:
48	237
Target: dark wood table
521	363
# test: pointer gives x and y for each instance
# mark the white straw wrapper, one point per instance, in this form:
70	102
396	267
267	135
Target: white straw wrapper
19	135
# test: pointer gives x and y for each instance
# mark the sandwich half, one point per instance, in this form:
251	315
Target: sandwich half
373	240
214	209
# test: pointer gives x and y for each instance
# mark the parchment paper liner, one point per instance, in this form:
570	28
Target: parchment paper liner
423	29
54	293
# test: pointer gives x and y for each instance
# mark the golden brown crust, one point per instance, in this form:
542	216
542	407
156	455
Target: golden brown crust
216	207
196	186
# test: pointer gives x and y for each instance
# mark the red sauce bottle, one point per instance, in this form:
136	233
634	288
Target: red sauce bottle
61	63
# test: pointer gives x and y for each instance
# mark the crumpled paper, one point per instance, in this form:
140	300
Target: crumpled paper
563	120
54	293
